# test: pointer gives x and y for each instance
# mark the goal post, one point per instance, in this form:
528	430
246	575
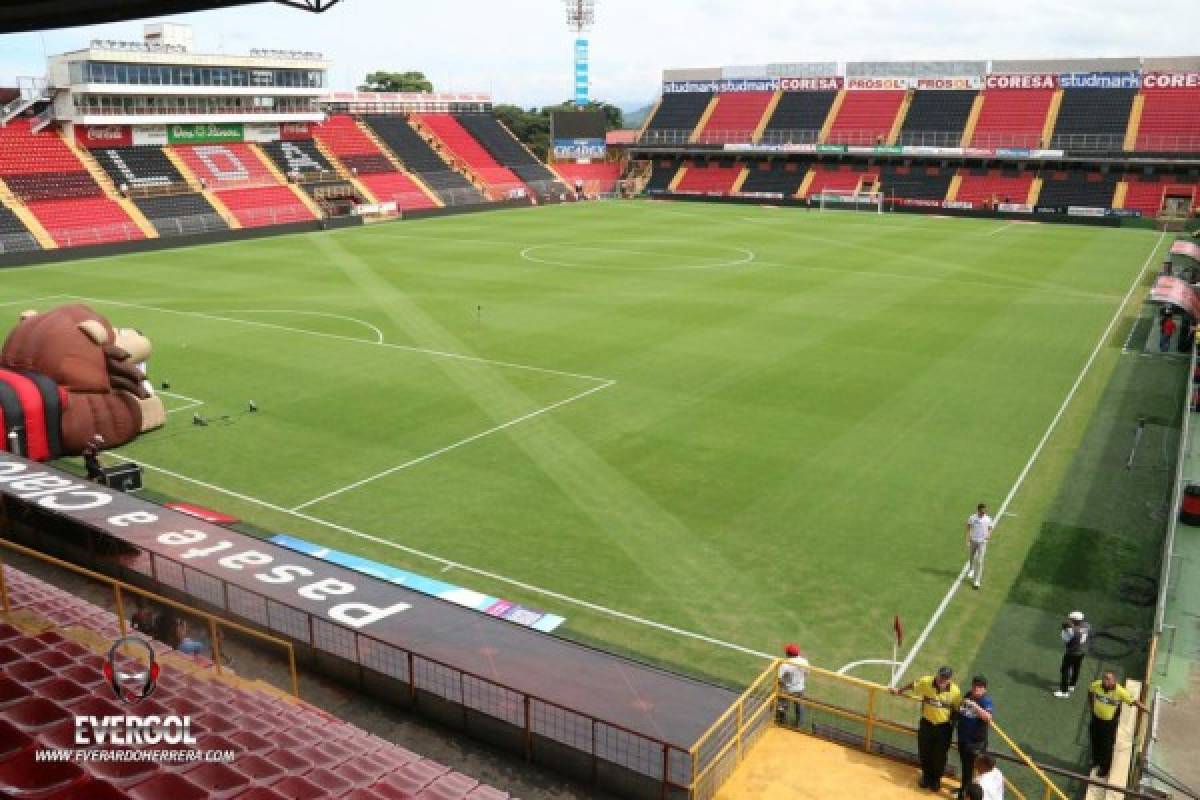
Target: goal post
850	200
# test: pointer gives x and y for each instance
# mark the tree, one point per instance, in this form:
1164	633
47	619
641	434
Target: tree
382	81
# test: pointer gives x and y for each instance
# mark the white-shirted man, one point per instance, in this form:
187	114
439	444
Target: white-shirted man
979	531
793	674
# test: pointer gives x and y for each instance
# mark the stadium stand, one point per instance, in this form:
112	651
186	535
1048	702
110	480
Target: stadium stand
662	172
508	151
265	205
1093	119
420	158
937	118
799	116
51	657
1077	187
299	157
467	149
49	179
735	116
225	166
678	113
350	145
985	186
844	178
14	236
866	117
1012	118
180	214
710	177
782	177
598	178
1170	120
916	181
1148	194
138	167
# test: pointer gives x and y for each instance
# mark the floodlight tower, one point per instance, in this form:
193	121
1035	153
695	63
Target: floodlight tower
581	15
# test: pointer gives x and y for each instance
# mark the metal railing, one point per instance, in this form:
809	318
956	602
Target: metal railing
984	140
861	714
538	726
121	588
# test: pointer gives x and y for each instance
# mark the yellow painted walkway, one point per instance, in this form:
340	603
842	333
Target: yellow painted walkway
786	764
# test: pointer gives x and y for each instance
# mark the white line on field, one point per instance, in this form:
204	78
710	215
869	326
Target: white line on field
441	450
1001	229
378	333
853	665
31	300
941	609
339	337
564	598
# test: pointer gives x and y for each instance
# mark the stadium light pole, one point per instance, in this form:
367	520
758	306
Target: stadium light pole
581	15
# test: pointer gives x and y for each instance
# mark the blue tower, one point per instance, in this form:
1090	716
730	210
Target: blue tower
581	14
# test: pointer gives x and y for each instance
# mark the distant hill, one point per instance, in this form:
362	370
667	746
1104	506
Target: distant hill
635	117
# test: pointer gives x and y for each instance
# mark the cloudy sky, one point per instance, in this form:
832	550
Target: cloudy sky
520	50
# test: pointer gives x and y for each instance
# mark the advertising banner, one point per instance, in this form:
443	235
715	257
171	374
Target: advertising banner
1084	211
261	131
103	135
1123	212
579	148
960	204
1171	80
1015	208
951	82
878	84
1034	80
831	148
922	150
810	84
1100	80
203	133
1049	210
292	131
917	202
734	85
150	134
878	149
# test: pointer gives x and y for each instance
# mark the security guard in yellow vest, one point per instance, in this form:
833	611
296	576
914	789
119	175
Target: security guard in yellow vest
939	696
1106	698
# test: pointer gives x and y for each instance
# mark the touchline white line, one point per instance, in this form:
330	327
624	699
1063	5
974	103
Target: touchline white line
941	609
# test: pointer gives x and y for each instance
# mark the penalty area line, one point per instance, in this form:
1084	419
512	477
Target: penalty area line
445	562
1037	451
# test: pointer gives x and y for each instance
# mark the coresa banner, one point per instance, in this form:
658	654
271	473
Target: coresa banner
204	133
1033	80
1100	80
91	136
1171	80
811	84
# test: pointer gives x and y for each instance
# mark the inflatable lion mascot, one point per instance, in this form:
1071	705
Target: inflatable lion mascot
67	377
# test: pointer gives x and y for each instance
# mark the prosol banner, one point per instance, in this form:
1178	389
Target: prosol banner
879	84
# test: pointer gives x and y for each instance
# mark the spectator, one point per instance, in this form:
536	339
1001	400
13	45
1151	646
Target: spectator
989	779
793	674
1076	636
1166	333
144	619
189	645
979	531
939	696
91	459
1106	698
974	717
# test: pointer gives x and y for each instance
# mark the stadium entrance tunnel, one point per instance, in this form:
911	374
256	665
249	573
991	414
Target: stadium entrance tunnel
638	255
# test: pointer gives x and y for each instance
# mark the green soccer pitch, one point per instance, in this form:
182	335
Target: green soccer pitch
696	431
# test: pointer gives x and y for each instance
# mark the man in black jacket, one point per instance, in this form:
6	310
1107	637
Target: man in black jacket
1076	637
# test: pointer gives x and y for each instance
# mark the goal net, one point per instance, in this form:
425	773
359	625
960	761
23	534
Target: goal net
851	200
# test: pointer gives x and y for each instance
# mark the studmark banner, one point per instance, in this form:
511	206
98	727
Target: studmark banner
202	133
579	148
1100	80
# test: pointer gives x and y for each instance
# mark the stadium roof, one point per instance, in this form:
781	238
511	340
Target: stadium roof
32	15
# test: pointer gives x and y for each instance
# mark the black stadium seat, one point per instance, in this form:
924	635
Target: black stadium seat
14	237
937	117
180	214
138	167
300	156
421	159
783	177
509	152
801	114
1093	119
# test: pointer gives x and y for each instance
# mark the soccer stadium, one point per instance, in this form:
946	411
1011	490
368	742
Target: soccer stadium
813	428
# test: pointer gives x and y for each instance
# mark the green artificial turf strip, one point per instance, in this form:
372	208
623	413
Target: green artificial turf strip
787	451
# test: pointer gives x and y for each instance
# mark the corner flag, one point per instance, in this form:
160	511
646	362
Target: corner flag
899	629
